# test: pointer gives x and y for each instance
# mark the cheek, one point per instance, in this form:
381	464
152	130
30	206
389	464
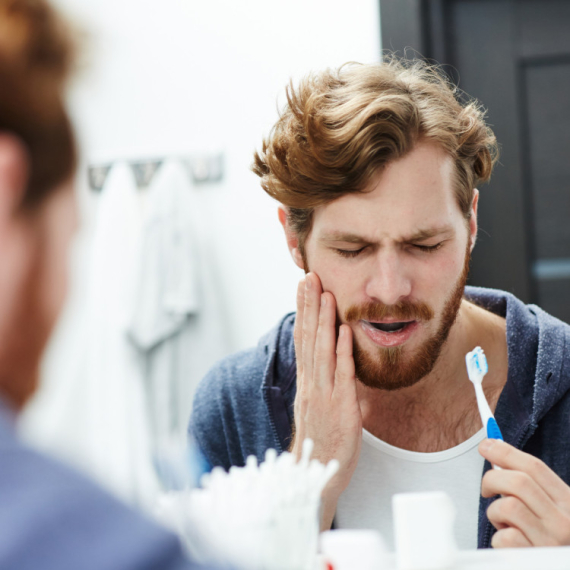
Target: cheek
451	267
59	271
436	281
340	280
438	274
58	232
53	279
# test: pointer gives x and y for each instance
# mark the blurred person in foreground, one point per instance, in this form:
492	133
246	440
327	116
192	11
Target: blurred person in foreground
376	169
50	517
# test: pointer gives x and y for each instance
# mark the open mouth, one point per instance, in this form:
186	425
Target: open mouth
389	334
391	327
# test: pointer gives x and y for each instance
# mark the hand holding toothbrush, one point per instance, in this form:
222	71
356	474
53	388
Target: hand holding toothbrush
326	404
534	509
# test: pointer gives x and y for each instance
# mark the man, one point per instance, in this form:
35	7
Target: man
50	517
376	168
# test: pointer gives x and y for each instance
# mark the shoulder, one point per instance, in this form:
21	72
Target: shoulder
71	522
548	322
553	358
519	314
539	350
229	410
552	334
234	379
231	384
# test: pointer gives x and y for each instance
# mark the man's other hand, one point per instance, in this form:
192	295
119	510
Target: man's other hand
326	405
534	507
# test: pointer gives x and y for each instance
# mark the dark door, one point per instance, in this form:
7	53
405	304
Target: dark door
514	56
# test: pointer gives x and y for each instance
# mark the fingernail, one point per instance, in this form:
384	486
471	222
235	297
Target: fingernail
323	301
307	283
487	444
341	332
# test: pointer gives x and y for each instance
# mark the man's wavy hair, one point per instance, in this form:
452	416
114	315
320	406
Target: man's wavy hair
340	126
37	53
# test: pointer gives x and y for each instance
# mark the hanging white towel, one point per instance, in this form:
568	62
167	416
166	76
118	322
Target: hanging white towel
109	392
177	321
165	290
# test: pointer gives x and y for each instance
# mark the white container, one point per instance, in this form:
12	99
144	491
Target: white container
353	549
423	531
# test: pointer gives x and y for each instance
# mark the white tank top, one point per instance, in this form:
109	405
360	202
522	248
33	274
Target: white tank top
384	470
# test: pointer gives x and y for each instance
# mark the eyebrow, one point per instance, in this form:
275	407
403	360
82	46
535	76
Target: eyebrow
420	235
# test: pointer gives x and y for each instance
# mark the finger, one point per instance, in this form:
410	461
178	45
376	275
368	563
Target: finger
520	485
300	398
298	330
512	512
345	378
506	456
510	537
310	324
325	344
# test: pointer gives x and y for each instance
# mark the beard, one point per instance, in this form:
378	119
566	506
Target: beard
392	368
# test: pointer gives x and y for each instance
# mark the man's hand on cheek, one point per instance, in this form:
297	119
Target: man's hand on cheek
326	405
534	509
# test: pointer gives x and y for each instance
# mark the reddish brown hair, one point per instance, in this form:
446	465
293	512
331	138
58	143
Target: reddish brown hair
340	126
36	56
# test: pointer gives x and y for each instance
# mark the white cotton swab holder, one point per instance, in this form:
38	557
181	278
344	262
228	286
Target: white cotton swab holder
260	517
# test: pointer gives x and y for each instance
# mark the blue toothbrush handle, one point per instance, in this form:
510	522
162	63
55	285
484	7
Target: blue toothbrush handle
493	431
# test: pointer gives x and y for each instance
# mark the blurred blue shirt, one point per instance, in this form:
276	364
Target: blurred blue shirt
52	518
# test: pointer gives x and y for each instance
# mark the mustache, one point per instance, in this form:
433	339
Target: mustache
402	311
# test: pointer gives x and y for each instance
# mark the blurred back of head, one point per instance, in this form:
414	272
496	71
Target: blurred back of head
36	56
37	206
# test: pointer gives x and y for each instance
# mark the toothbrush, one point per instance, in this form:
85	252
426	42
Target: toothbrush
476	369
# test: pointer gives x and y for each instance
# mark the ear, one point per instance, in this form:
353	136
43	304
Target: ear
291	237
473	227
14	172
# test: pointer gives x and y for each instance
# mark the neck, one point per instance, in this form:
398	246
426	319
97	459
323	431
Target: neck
440	410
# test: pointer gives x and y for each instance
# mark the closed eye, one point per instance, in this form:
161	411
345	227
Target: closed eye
349	252
428	248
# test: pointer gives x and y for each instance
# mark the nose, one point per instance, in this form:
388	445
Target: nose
388	282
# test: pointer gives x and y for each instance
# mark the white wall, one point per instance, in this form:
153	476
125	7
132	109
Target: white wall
183	76
179	77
